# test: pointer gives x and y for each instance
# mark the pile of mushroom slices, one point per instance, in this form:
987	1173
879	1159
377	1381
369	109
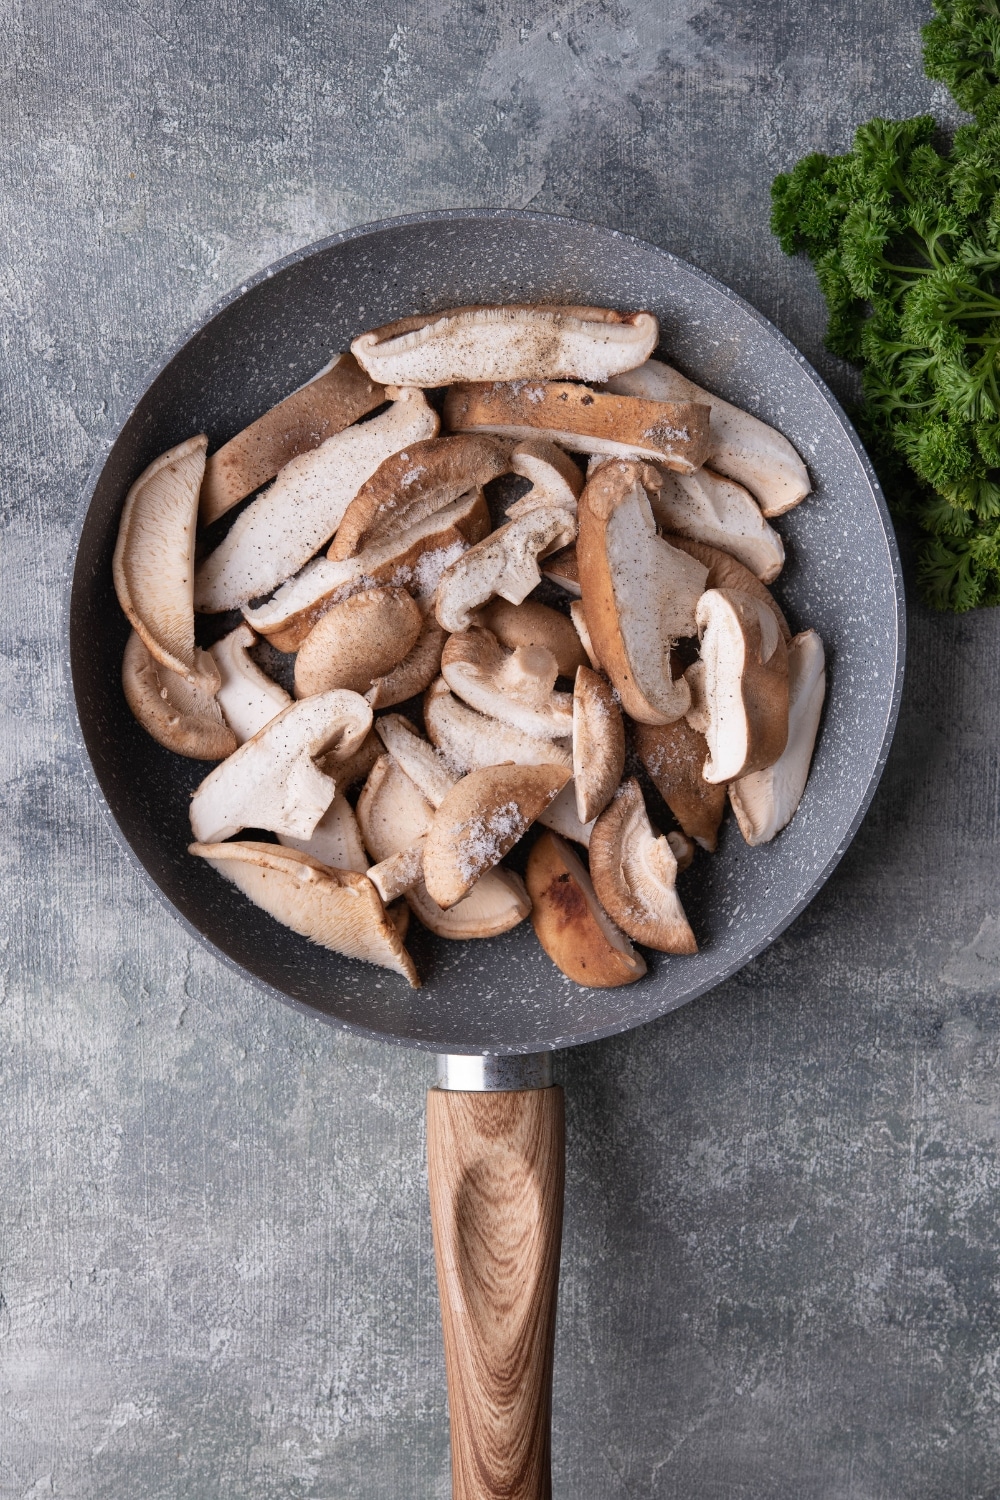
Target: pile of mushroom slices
367	550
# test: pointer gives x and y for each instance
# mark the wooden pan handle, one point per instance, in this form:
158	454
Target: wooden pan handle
496	1184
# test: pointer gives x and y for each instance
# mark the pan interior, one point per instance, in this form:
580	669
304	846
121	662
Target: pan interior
841	577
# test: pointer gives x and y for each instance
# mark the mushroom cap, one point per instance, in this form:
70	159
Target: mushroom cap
415	559
394	816
335	398
515	687
598	744
272	782
723	514
249	699
480	820
740	446
336	840
153	564
585	421
562	568
504	563
424	765
766	801
339	909
282	528
415	483
674	755
569	922
639	593
469	740
363	637
534	624
634	869
512	342
415	672
180	715
746	684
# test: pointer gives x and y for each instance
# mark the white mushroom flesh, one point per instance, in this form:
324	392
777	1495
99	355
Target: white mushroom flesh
509	343
724	661
562	817
282	529
504	564
248	698
336	839
272	782
424	765
515	687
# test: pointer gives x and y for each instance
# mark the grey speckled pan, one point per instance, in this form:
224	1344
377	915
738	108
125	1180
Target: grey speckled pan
842	577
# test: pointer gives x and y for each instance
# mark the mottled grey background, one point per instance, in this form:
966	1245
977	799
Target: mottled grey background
781	1267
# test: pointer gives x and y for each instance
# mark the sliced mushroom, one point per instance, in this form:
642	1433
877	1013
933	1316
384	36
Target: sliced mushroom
674	755
562	817
719	511
415	560
482	817
585	421
598	744
354	767
272	782
513	342
639	593
555	478
766	801
746	684
336	840
725	572
698	715
153	564
394	816
356	641
579	618
504	563
280	530
634	871
740	446
515	687
570	923
182	716
400	872
425	766
331	401
247	696
339	909
415	483
415	672
534	624
561	568
683	848
468	739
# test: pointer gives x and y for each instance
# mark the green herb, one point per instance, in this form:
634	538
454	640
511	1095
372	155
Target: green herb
905	239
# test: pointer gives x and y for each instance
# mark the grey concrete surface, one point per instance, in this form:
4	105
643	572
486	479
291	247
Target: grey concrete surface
781	1268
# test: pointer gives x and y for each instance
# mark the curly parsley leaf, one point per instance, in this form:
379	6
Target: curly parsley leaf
904	236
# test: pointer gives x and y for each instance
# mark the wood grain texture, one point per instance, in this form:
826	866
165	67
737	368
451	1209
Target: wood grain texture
496	1165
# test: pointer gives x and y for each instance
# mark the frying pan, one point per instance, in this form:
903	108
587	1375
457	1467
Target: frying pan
495	1012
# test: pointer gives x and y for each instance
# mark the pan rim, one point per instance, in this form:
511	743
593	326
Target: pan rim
126	407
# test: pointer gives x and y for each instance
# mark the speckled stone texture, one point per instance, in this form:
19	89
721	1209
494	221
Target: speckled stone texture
780	1269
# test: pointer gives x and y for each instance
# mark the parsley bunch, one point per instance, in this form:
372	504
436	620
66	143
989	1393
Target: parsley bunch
905	239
